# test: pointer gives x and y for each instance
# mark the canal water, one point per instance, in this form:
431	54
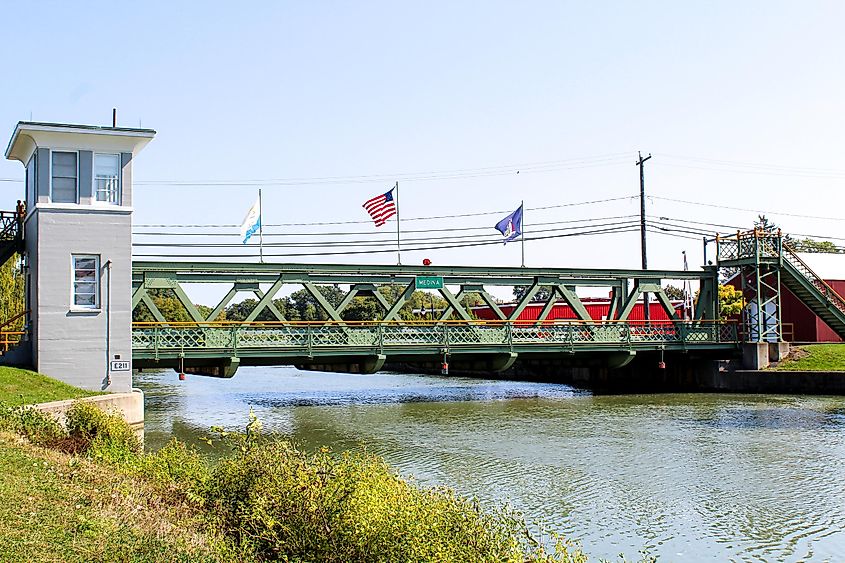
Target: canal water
687	477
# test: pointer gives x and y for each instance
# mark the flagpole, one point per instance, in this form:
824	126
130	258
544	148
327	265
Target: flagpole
522	207
398	246
260	228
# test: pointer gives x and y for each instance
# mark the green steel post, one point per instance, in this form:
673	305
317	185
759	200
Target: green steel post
155	342
308	332
509	335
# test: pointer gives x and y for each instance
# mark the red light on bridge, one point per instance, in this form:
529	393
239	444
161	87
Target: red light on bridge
426	262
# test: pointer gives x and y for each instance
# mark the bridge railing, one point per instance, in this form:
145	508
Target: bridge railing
314	335
749	244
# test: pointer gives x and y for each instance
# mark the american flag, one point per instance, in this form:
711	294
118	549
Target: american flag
381	208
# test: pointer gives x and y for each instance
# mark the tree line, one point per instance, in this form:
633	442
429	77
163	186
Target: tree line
302	306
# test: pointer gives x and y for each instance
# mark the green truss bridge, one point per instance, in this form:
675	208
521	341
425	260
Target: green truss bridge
218	348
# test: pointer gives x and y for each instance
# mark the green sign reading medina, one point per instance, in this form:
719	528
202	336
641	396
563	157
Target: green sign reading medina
429	282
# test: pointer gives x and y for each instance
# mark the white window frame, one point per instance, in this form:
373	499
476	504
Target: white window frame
51	175
119	194
73	304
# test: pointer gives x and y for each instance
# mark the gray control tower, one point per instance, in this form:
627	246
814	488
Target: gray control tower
78	249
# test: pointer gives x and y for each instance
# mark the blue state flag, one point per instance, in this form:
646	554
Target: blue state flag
511	226
252	221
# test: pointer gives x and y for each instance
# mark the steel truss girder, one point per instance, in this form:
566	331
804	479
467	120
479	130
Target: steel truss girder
365	280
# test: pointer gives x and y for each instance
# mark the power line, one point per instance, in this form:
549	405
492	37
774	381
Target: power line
347	233
379	242
756	168
613	230
429	218
718	206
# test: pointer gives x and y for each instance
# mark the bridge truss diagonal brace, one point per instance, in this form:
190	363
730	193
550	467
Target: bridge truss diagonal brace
570	297
265	300
393	310
648	286
454	304
223	303
270	305
491	302
526	299
141	296
573	301
321	299
187	303
616	299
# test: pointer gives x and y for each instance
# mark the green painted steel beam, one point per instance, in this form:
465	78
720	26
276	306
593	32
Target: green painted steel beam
400	302
454	274
491	302
222	304
321	299
264	301
525	301
454	304
574	302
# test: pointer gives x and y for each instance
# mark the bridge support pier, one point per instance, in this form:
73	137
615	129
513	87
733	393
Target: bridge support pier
759	355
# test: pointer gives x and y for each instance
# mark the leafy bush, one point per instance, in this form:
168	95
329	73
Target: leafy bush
288	505
39	428
179	470
104	436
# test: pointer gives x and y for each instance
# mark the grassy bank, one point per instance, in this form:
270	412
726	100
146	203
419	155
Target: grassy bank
87	492
58	507
24	387
815	357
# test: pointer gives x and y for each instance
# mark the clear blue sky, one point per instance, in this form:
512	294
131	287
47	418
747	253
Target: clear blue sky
282	90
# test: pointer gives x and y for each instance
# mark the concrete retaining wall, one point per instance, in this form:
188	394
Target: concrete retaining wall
791	382
129	405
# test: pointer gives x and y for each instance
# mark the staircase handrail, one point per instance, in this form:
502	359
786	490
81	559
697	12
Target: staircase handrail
11	222
13	319
808	273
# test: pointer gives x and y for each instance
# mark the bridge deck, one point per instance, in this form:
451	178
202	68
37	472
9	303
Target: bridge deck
155	341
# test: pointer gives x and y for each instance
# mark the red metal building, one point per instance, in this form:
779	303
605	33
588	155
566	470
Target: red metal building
596	307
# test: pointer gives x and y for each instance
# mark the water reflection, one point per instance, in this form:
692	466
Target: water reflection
691	477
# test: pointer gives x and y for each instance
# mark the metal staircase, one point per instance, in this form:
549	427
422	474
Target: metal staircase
11	233
764	262
813	291
12	331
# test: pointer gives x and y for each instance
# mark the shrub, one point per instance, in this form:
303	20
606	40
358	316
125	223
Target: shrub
286	504
178	469
39	428
104	436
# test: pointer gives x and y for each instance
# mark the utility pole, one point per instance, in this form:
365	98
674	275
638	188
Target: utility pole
640	162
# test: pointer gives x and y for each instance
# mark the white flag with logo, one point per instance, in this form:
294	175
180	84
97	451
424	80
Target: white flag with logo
252	221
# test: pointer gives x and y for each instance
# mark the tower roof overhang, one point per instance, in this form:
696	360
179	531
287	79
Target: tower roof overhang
29	135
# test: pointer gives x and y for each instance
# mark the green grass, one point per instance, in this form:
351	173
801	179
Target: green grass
24	387
55	507
815	357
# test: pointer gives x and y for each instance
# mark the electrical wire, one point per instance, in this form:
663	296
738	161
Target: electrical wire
718	206
753	167
613	230
346	233
380	242
369	221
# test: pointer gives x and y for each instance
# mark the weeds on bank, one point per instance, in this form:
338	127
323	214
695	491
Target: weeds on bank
271	501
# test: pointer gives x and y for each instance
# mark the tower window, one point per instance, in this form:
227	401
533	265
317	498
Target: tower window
86	281
107	178
65	175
